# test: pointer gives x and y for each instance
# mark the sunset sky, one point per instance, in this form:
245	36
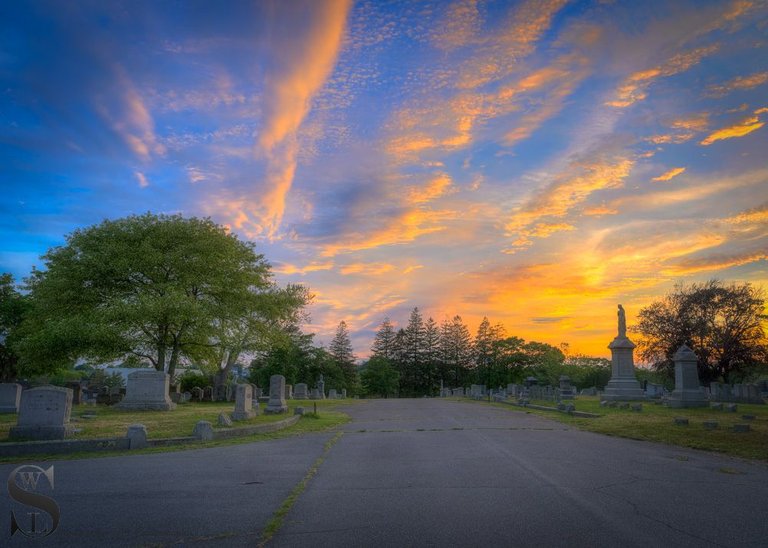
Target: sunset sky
534	162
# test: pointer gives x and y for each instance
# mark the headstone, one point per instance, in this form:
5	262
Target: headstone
748	417
243	403
77	392
315	394
137	436
224	420
147	390
44	414
207	394
570	408
623	384
732	407
220	392
654	390
344	393
298	411
710	425
716	406
300	391
277	402
740	428
197	394
288	391
186	396
687	392
10	397
256	391
591	391
176	397
203	431
332	394
567	391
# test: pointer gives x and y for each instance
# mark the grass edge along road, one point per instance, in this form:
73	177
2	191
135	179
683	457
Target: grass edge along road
328	417
656	423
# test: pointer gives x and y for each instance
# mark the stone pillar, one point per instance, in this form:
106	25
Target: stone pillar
243	402
688	392
623	384
277	402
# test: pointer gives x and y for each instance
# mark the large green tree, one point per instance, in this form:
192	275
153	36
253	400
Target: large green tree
156	287
13	306
722	323
343	354
379	377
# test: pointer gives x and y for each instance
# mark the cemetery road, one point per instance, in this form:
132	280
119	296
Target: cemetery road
420	472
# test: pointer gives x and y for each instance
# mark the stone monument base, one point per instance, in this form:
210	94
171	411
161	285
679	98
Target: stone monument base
243	415
275	409
41	432
623	390
687	398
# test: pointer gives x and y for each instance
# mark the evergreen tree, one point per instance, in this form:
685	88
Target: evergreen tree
430	375
341	351
384	342
456	351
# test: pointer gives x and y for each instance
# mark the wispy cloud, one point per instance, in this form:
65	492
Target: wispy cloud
739	83
142	179
671	174
635	86
740	129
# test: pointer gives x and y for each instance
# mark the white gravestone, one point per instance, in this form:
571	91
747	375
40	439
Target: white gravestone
44	414
243	403
147	390
10	397
277	402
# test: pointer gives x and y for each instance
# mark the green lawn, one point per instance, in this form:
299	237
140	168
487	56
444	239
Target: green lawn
110	422
656	423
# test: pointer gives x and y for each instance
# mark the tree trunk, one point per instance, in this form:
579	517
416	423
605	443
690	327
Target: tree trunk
174	360
220	378
160	364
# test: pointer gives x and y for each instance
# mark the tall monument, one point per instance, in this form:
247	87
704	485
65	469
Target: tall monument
623	384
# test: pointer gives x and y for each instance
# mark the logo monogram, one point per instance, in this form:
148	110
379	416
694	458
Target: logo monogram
22	486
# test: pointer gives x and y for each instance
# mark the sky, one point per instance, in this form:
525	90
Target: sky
535	162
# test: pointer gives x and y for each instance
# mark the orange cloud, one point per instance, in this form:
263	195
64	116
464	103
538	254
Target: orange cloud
744	127
716	262
672	173
459	26
289	269
288	96
366	269
436	187
738	83
635	86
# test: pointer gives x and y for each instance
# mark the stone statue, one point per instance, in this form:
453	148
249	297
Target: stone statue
622	322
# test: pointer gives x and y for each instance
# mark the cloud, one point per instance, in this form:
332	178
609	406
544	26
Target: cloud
459	26
568	190
738	83
672	173
740	129
366	269
635	86
437	186
142	179
290	88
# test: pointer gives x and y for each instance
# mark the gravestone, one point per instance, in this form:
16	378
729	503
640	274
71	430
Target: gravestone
224	420
243	403
623	384
315	395
196	394
321	387
77	392
591	391
277	402
207	394
331	393
654	390
10	397
344	393
203	431
567	391
300	391
687	392
147	390
137	436
288	391
44	414
186	397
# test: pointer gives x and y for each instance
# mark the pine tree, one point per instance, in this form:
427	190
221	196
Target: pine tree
430	376
341	351
384	342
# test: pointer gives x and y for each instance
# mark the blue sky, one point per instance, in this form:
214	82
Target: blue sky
533	162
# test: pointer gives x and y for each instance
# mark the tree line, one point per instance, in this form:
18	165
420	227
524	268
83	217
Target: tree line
165	291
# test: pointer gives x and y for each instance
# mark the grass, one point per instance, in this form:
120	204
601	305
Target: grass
656	423
110	422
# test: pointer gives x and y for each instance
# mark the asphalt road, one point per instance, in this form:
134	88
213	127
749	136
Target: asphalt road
422	472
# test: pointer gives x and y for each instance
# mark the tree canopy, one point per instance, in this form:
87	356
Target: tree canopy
156	287
722	324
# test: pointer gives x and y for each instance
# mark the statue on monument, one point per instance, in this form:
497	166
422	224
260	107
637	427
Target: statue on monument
622	322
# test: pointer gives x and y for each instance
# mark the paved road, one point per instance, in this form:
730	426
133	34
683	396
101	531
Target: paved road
416	473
